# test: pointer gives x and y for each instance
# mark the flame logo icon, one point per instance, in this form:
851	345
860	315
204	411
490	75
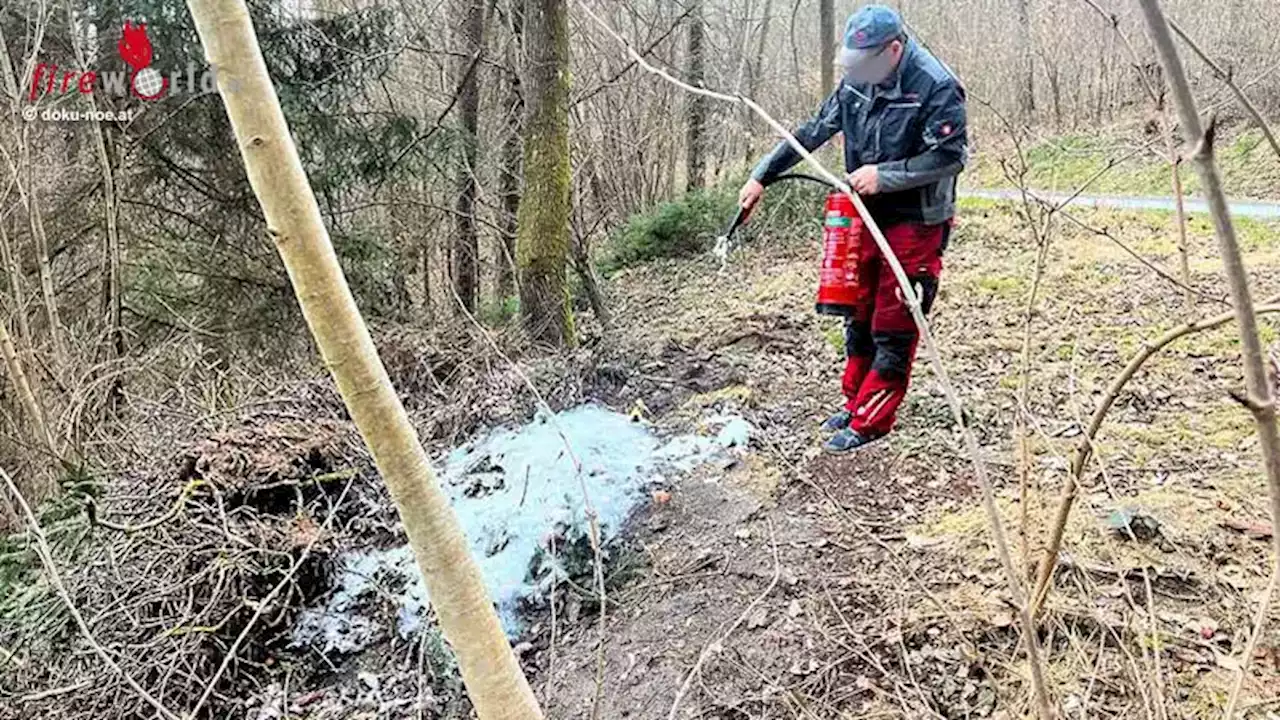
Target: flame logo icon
135	49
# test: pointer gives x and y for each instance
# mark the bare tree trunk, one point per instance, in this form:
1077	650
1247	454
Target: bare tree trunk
512	153
581	252
10	259
1260	398
26	398
1026	64
497	687
696	105
544	234
111	284
466	249
47	292
827	45
756	70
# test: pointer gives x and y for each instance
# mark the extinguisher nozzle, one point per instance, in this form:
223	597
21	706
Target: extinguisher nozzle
721	249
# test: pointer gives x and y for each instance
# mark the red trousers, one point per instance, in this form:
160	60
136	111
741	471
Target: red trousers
880	336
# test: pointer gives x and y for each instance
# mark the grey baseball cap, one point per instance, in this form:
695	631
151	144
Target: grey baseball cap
867	34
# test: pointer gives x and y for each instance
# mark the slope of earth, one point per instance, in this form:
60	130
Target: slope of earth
793	584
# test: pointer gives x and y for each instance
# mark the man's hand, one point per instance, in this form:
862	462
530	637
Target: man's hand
750	195
865	180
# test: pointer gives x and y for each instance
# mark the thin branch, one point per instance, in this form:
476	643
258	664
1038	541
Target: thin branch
1257	384
266	602
1084	449
717	645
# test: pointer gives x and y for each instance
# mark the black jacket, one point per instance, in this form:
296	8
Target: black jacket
912	126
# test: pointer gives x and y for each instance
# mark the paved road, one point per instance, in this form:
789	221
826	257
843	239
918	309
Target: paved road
1250	209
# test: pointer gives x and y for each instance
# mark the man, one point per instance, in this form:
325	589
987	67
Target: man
902	115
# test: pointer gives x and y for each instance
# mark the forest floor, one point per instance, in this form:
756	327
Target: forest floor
867	586
810	586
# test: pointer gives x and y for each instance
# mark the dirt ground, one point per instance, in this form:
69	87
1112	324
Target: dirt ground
794	584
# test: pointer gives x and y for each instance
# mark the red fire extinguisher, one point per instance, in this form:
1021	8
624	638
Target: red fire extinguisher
842	234
841	251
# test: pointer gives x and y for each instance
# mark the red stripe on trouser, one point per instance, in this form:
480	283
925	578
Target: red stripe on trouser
877	373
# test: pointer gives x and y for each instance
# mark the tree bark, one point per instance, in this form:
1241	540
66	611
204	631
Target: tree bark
696	105
496	685
512	153
827	44
544	235
466	250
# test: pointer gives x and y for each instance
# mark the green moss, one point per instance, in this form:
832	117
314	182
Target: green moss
1001	286
834	336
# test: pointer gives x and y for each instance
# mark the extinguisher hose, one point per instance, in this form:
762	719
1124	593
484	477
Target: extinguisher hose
741	215
808	178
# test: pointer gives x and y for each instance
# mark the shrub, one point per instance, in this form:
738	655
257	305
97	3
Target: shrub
680	228
689	225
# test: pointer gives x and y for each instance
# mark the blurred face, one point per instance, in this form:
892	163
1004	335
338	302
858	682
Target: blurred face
872	65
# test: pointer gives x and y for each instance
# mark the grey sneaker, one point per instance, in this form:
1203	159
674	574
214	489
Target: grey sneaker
847	441
838	422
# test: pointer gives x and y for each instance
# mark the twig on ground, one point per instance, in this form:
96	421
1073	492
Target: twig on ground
861	526
172	513
717	644
54	692
266	602
55	579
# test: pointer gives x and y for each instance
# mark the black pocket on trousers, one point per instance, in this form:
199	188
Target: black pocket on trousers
927	286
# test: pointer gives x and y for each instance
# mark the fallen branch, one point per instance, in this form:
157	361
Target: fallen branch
266	602
55	579
912	299
55	692
173	512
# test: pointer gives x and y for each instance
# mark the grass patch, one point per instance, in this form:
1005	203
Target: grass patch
1249	169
